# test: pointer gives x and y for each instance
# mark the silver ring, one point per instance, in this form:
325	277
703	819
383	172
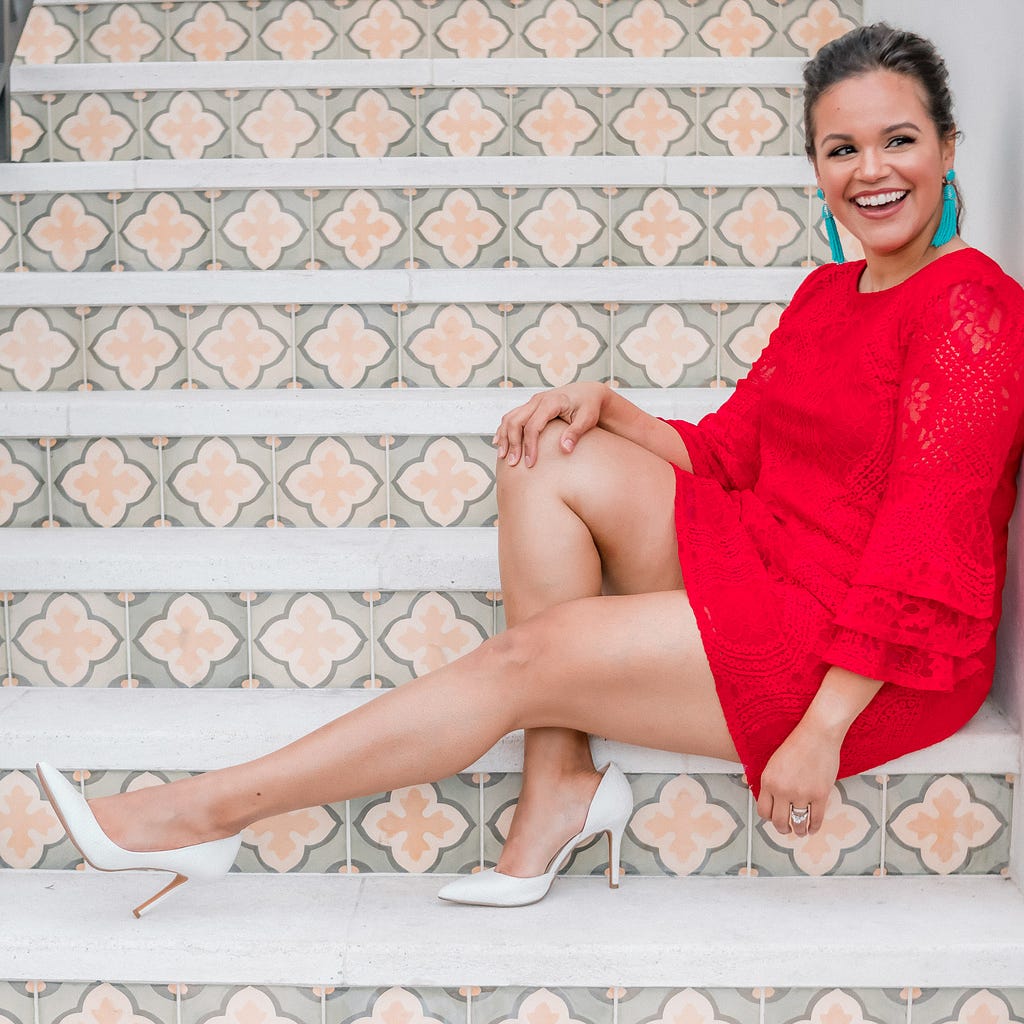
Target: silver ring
798	815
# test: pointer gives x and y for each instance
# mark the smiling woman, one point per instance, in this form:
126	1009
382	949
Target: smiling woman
807	580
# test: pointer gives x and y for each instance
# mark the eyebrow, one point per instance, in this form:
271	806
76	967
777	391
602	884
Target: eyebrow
885	131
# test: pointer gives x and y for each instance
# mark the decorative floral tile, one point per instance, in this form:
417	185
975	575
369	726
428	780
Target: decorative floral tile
23	500
559	121
311	640
453	345
945	824
133	347
666	345
416	633
658	227
422	828
68	232
749	122
262	230
745	330
65	639
31	836
560	227
94	126
348	346
16	1002
185	125
189	640
701	1006
278	124
241	346
211	31
509	1005
649	28
218	481
810	24
444	481
360	229
264	1004
758	227
105	482
650	121
49	37
413	1005
734	29
560	29
810	1006
465	122
163	230
848	843
460	227
331	481
371	122
11	244
551	345
970	1006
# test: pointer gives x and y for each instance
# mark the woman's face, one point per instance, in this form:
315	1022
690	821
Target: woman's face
880	161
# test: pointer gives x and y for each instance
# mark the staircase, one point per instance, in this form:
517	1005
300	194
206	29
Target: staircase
205	322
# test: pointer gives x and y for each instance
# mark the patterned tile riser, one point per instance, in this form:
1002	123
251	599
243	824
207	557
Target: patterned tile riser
682	825
233	30
365	346
435	228
51	1002
286	123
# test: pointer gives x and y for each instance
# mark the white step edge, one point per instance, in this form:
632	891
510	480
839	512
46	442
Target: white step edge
326	287
198	730
295	413
151	76
223	560
863	932
402	172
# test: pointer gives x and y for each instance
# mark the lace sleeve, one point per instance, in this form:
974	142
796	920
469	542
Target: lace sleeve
922	602
725	444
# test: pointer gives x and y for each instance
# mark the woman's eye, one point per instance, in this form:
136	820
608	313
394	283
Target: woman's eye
841	151
900	140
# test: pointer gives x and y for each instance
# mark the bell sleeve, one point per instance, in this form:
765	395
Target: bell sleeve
921	605
726	444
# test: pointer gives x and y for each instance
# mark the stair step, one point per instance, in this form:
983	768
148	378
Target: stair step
294	413
198	730
422	172
381	931
205	559
677	72
521	284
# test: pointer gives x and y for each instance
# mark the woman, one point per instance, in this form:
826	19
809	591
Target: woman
808	581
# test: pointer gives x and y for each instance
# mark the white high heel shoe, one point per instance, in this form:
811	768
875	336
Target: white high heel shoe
203	862
610	811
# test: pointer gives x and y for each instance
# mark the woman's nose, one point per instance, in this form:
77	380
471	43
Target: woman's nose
873	164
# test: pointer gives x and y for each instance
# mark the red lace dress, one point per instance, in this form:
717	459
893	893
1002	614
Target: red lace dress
849	503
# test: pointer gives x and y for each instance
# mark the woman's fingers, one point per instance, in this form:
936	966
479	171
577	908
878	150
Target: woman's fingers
780	810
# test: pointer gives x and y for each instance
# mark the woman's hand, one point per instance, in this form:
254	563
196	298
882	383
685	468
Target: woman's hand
800	774
579	405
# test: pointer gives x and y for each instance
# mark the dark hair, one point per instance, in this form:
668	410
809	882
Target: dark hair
880	47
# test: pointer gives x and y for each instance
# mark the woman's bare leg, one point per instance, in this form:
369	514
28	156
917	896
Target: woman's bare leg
630	668
597	521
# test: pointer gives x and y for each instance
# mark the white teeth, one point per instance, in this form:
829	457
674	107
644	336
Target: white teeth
880	200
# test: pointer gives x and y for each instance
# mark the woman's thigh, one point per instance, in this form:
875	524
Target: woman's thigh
630	668
623	494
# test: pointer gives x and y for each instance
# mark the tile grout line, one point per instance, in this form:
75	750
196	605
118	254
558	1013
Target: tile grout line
127	640
273	441
188	346
910	1003
750	832
481	811
295	345
82	337
248	633
373	642
8	681
348	837
883	824
160	477
48	443
18	229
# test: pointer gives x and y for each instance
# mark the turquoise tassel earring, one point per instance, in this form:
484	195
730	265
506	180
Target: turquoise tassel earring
838	256
947	226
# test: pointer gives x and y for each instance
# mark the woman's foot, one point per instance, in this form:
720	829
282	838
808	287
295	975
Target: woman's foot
156	818
546	817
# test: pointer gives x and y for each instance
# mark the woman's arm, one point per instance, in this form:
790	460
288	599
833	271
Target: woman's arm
584	406
804	768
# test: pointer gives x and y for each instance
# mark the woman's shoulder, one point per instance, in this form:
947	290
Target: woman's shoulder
968	280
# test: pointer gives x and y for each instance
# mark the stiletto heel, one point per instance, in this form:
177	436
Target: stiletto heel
161	895
609	811
202	862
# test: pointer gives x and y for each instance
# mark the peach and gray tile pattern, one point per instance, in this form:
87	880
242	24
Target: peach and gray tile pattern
431	228
681	825
390	29
528	344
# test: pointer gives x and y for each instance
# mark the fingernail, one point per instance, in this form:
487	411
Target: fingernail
568	444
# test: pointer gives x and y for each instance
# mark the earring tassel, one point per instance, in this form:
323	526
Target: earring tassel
947	226
832	232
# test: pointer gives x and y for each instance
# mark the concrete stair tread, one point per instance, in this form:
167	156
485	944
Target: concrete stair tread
194	730
385	930
435	72
297	412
